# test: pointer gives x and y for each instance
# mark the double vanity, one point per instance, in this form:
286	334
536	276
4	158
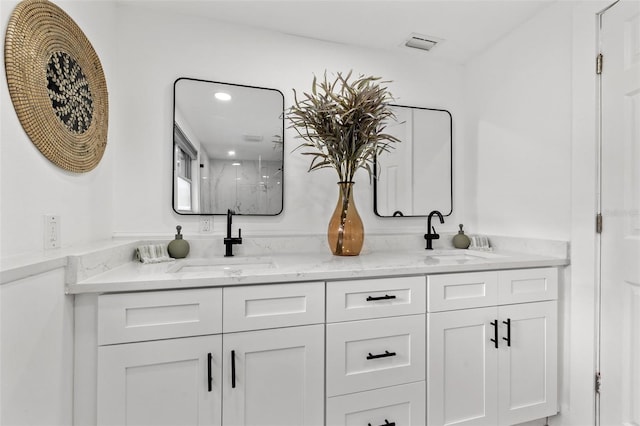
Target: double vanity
385	338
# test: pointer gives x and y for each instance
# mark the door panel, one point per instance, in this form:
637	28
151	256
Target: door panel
462	368
162	382
527	387
619	356
279	377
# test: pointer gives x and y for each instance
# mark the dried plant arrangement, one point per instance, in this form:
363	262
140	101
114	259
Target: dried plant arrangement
342	123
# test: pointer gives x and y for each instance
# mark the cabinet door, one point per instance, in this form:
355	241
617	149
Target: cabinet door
528	366
164	382
274	377
462	368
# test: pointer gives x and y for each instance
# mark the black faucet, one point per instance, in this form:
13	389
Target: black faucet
229	241
432	236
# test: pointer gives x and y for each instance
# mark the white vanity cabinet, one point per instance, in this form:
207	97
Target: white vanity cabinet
492	347
165	357
466	348
375	365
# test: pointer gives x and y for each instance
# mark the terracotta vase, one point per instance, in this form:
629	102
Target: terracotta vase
346	232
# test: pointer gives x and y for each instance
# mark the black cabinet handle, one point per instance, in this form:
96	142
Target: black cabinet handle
384	355
508	338
386	423
385	297
233	369
209	376
495	333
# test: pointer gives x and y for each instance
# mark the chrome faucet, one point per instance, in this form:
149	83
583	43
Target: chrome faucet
229	241
429	236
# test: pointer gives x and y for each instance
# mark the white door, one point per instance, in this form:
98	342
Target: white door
462	367
619	349
274	377
527	362
163	382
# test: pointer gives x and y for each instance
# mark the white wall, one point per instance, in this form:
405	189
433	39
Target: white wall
36	317
155	49
518	94
30	185
36	351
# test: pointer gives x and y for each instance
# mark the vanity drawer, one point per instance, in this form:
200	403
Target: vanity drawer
402	405
462	291
135	317
271	306
369	354
527	285
375	298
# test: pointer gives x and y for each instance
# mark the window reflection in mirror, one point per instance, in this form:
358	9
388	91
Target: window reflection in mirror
228	148
415	177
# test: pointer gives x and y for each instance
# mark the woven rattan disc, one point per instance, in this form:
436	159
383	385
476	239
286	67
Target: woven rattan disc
57	85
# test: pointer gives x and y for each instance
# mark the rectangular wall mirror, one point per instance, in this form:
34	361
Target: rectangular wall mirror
227	148
416	176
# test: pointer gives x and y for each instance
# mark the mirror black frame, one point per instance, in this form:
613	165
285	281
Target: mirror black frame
376	169
173	156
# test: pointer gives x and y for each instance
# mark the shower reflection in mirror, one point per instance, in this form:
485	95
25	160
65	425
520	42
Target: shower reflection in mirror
228	148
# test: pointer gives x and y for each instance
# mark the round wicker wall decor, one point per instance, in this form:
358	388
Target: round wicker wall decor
57	85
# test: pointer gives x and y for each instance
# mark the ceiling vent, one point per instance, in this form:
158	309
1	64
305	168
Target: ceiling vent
252	138
422	42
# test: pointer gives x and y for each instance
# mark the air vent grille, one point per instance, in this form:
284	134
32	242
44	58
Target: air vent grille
252	138
421	42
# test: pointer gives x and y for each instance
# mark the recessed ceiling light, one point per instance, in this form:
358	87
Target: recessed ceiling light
231	153
222	96
235	164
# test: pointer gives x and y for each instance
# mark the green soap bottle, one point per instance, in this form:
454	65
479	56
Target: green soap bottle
178	248
460	240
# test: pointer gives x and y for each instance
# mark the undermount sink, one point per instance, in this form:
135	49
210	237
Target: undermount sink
460	255
221	265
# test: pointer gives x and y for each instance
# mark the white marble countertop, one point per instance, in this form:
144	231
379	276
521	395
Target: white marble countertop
320	266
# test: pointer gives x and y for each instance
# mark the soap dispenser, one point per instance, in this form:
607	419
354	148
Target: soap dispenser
178	248
460	240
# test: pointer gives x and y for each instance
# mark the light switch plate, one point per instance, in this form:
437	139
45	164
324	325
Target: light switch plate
51	231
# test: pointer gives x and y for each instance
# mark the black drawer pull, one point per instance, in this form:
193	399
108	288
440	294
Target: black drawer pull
233	369
384	355
385	297
210	376
495	333
508	338
386	423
